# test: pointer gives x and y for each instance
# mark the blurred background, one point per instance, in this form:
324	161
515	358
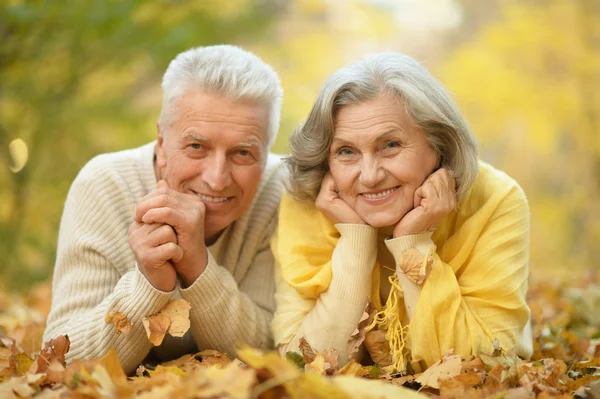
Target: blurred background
80	78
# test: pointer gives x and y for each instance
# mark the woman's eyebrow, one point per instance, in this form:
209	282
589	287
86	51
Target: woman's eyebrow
388	133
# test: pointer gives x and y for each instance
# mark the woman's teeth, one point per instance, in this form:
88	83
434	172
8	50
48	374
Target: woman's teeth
381	194
212	199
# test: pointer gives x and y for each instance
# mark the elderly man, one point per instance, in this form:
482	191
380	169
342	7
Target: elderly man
189	215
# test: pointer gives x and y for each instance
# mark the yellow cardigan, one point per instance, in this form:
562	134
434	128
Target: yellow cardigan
475	292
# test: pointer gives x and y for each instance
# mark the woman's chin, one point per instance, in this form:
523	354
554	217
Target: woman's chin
381	221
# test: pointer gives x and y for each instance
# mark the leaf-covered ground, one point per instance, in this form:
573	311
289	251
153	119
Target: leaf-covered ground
566	360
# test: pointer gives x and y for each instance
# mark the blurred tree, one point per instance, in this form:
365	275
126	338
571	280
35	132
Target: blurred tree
529	84
82	78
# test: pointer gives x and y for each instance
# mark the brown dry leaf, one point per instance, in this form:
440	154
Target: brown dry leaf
119	321
16	387
411	263
178	312
55	373
308	355
358	336
156	327
29	337
378	347
54	349
232	381
469	379
447	367
211	357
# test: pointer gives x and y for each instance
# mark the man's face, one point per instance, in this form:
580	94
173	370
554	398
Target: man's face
215	149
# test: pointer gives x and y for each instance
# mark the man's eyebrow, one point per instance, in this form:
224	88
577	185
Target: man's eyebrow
194	136
251	143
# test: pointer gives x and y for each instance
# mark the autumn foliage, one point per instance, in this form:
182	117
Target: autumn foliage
566	361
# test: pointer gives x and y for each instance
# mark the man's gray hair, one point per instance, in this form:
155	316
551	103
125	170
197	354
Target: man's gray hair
225	70
428	104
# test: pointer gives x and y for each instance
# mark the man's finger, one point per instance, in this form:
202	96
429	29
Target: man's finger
160	200
167	252
166	215
162	235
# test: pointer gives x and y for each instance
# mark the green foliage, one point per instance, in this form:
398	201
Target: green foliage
295	358
82	79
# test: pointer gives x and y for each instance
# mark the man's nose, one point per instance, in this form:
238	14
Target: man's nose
217	174
371	172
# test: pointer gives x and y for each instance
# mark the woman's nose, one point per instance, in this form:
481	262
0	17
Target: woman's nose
371	172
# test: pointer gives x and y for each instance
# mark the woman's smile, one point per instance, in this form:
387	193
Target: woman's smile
379	197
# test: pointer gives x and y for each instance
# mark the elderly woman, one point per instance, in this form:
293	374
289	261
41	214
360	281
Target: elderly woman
389	205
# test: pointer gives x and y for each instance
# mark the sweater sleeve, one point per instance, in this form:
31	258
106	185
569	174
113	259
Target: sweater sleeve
466	303
225	316
90	279
328	321
411	290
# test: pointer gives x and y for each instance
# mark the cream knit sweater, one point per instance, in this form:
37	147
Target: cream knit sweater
96	273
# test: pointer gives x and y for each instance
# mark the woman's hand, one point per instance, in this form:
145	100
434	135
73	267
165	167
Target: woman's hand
332	206
433	201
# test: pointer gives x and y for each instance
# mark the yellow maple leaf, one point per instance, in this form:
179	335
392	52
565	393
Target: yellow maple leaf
119	321
447	367
156	327
174	319
178	312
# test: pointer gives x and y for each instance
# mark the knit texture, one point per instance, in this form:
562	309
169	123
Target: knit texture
96	272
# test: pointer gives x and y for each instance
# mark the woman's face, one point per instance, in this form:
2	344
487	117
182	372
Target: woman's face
378	159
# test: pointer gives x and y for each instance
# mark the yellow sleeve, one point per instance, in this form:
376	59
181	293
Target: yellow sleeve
471	300
303	246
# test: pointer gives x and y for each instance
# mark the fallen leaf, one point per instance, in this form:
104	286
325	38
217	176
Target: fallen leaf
55	373
119	321
358	336
174	319
22	363
156	327
415	265
308	355
378	347
316	366
178	312
447	367
54	349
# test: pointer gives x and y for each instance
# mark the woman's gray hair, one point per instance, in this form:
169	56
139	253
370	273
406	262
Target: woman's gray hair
225	70
428	104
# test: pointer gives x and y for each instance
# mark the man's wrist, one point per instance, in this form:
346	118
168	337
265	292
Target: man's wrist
187	276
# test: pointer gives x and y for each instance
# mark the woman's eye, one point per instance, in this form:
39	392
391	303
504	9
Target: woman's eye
344	151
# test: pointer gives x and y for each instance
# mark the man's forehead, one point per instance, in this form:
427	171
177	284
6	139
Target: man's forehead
250	140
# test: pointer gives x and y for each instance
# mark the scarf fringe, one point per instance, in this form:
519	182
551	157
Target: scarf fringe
388	320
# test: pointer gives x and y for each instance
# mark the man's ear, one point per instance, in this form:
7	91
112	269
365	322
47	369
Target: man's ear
161	160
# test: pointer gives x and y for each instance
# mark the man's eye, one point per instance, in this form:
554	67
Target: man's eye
244	153
393	144
195	146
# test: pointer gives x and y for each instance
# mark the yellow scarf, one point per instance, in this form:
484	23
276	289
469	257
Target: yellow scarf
475	292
